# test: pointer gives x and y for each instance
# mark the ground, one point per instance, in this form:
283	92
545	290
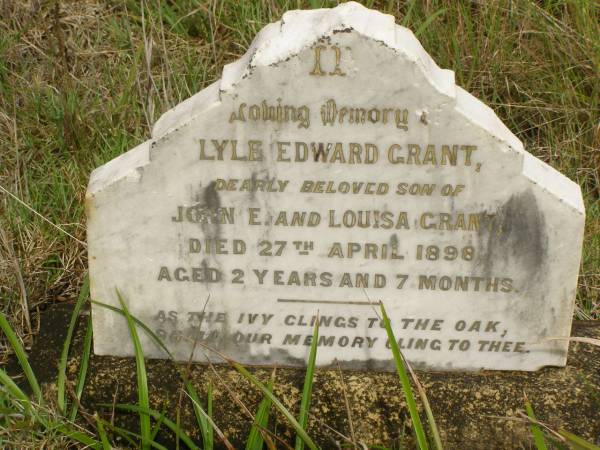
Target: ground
476	411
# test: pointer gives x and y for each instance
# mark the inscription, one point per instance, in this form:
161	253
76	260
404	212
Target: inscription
437	155
485	336
277	113
317	70
331	115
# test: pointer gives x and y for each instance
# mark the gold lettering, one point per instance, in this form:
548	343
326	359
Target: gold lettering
220	148
253	215
413	154
317	69
424	224
255	151
281	151
355	150
203	156
449	155
234	156
371	154
338	58
392	156
336	251
429	157
469	149
338	154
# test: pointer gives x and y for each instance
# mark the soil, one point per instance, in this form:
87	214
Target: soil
475	410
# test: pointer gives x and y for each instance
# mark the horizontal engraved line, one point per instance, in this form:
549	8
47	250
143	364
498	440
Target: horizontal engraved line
334	302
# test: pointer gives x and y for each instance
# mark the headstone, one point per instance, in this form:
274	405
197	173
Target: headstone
333	166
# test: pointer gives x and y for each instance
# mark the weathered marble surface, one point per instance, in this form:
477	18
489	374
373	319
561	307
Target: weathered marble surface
377	179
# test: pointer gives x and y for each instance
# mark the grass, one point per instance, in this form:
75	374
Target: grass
400	367
83	367
43	420
261	421
308	383
538	437
12	395
202	417
38	417
80	84
142	380
17	348
62	365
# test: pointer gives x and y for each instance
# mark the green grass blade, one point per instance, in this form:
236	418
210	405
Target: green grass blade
128	435
428	21
182	435
209	409
252	379
142	381
261	421
538	436
62	365
79	436
156	427
408	394
308	382
213	425
577	442
203	424
208	443
83	367
158	341
315	4
406	20
21	356
20	399
12	388
103	437
125	434
435	432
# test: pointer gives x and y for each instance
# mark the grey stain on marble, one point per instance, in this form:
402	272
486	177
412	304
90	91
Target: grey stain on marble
516	236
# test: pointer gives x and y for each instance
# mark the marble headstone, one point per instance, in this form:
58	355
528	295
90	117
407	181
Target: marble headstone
333	166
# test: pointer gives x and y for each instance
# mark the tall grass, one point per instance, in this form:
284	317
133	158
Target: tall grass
255	438
266	391
406	388
535	63
17	348
203	418
37	412
14	402
142	381
538	436
308	383
62	365
64	113
83	368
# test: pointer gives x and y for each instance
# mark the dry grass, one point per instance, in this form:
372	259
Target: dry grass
83	81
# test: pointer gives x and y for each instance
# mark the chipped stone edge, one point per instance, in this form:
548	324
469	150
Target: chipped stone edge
129	165
272	45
